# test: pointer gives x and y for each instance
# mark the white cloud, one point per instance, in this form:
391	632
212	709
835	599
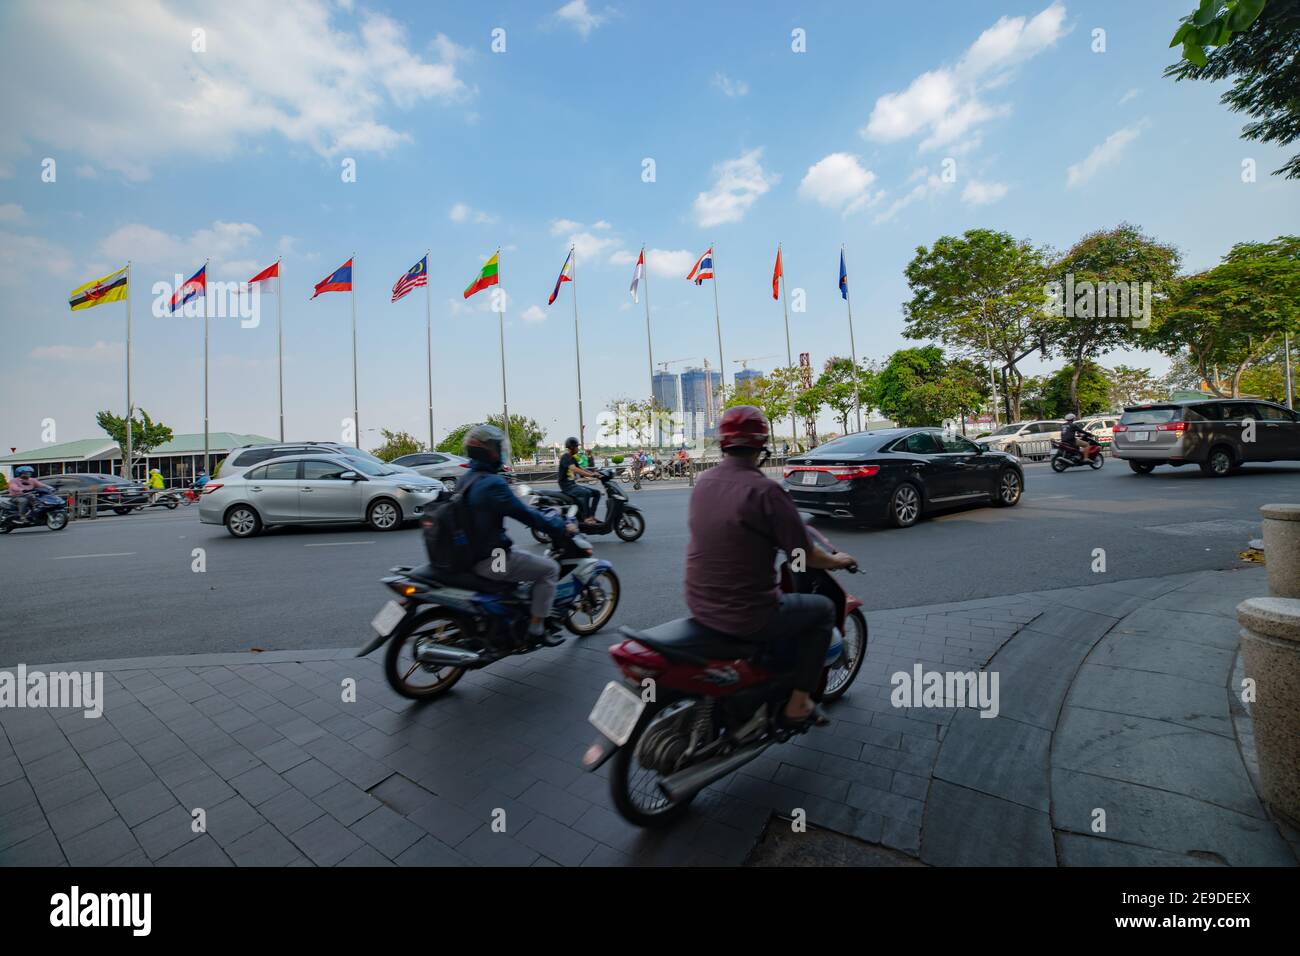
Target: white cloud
928	185
839	181
737	185
21	257
601	224
462	212
728	86
979	193
575	14
670	263
100	352
534	313
1103	155
945	103
11	212
589	247
560	226
1131	94
296	68
86	171
227	244
622	258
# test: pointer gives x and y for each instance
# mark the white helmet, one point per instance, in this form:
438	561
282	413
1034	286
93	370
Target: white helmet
1070	417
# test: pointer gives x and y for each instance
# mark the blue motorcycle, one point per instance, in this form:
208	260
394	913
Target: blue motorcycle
46	509
445	623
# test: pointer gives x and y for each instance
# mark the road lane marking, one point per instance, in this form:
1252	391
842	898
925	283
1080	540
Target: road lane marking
115	554
336	544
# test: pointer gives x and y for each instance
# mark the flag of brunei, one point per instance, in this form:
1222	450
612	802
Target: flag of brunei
111	288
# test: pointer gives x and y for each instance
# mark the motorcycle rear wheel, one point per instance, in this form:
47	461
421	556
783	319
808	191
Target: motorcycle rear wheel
841	675
402	670
1097	461
1059	464
635	789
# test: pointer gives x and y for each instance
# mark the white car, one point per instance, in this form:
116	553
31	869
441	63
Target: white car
1024	439
1103	426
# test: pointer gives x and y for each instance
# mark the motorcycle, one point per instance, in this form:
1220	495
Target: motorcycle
46	509
695	705
621	518
1064	456
446	623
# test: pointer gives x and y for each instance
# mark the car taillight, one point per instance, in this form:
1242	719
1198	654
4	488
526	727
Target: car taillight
1172	427
209	488
463	464
854	471
1120	428
108	489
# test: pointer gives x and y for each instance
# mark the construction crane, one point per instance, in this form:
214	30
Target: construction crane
744	363
663	366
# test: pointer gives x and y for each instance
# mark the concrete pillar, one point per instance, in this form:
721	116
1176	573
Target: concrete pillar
1270	650
1282	549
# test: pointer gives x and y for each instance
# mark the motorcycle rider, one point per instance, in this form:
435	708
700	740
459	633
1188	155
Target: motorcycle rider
739	520
1070	436
23	486
490	501
587	498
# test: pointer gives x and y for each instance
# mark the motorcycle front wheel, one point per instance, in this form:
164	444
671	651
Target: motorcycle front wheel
56	521
595	605
635	787
630	526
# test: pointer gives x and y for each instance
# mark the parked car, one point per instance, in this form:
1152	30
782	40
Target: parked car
900	475
1024	439
113	494
246	456
1220	435
1103	426
319	488
442	465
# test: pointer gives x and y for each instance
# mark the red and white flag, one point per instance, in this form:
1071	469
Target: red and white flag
266	275
638	275
778	274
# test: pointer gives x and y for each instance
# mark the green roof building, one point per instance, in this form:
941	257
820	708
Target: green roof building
178	459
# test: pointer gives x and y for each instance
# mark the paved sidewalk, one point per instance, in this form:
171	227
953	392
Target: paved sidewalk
1112	698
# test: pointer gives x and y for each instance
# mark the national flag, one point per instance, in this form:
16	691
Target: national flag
340	280
638	275
487	276
415	277
194	287
844	278
266	275
566	275
111	288
777	275
703	268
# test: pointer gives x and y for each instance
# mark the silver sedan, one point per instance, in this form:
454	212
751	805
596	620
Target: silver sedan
444	466
316	489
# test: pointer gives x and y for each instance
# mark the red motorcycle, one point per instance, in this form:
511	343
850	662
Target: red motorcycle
1068	456
694	705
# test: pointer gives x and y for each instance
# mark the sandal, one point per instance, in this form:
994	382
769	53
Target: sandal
816	718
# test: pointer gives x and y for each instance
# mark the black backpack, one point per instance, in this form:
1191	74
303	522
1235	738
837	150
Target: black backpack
449	530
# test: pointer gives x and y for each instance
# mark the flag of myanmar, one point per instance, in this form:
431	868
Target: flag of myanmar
487	277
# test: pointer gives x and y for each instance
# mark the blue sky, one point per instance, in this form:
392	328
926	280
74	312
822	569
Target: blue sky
167	156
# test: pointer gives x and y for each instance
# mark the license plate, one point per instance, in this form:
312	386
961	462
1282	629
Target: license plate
1140	436
616	712
809	478
389	616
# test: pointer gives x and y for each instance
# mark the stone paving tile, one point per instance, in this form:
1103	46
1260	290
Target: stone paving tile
325	841
144	802
265	846
290	810
40	849
428	851
231	820
100	845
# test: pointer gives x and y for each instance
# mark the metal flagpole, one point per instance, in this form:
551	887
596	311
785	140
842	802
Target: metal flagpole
130	412
645	277
789	356
279	332
428	338
1290	393
506	457
356	412
853	349
577	350
206	310
717	321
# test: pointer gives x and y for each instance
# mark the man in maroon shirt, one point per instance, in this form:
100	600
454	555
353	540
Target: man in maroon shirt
739	520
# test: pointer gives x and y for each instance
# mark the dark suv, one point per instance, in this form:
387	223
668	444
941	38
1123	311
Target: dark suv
1220	434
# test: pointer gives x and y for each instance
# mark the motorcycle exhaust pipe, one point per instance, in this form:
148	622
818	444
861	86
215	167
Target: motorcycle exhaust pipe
688	782
450	656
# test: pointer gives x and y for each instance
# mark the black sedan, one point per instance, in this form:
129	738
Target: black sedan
109	491
899	475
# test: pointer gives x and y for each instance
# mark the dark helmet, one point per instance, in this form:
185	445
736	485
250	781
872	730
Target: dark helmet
484	443
743	426
570	442
24	471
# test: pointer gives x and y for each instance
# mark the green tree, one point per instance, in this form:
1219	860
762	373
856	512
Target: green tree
146	434
4	482
982	295
396	444
912	390
1231	317
525	436
1084	391
773	394
1133	386
1106	271
1259	49
842	388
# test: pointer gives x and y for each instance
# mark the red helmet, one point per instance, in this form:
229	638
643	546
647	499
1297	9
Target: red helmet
744	426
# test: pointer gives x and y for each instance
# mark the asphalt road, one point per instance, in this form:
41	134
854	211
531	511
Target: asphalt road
124	586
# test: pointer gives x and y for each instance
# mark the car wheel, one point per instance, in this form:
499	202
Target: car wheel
1219	463
384	515
905	505
243	522
1010	487
1142	467
122	511
449	484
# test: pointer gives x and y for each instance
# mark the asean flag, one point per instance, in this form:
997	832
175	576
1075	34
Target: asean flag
340	280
